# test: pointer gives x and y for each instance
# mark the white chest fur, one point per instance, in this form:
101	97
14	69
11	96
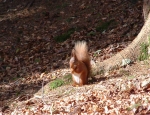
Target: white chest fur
76	77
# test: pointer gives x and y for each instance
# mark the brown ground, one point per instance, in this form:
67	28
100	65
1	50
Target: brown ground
28	48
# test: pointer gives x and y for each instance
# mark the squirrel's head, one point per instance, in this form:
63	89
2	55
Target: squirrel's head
73	60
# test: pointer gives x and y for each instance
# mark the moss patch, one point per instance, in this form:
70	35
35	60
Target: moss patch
64	36
104	26
61	81
56	83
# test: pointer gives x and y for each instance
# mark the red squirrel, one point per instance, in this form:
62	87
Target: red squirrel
80	64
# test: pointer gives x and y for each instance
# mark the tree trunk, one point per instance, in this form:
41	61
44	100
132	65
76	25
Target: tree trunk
146	8
131	52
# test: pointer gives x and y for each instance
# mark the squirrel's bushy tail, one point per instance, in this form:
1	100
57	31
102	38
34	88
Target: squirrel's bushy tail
81	52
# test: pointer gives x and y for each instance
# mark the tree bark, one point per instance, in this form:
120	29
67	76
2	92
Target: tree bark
131	52
146	8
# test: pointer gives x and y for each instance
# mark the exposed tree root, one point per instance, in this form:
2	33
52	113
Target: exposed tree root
131	52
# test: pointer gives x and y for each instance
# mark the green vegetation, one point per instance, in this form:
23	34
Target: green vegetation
131	77
18	93
61	6
65	35
104	26
69	19
17	50
59	82
133	106
56	83
101	72
143	52
91	33
37	60
65	5
67	78
97	53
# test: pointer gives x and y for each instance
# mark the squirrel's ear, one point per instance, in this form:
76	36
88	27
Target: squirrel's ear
73	54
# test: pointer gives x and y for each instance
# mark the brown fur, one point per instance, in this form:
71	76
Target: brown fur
80	64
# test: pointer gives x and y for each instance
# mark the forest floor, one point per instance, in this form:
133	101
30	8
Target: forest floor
36	39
